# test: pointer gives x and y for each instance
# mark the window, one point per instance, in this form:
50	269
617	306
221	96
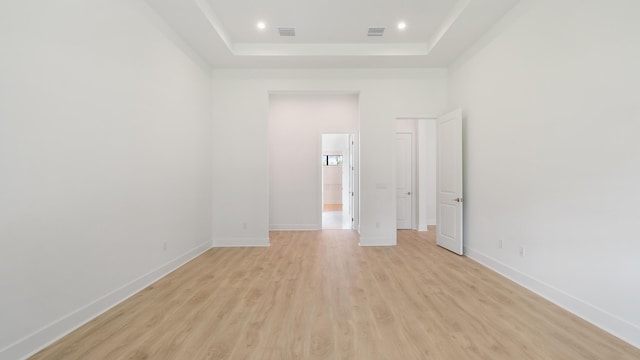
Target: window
331	160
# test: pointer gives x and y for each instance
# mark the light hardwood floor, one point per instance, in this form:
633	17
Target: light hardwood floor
318	295
332	207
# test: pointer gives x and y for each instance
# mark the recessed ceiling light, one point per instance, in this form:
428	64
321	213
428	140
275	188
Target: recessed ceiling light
261	25
402	25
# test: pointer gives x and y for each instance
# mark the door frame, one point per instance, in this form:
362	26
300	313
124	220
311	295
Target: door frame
355	209
420	186
414	178
353	182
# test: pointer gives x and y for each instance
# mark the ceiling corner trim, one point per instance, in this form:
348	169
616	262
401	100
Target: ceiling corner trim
331	49
453	16
213	20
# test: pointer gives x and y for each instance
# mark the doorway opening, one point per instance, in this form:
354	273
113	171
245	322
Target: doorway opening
338	166
296	124
415	167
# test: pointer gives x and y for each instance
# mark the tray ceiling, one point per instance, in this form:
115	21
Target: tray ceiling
330	33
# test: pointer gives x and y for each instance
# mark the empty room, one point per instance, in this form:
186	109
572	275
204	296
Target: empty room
417	179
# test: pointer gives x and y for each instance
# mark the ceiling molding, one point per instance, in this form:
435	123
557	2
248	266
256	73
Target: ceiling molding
360	49
332	49
454	15
215	23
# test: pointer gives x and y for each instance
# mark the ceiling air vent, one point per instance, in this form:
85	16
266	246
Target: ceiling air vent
287	30
376	31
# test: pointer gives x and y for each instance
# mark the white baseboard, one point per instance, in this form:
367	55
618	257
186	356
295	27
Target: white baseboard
241	242
618	327
377	241
295	227
426	224
47	335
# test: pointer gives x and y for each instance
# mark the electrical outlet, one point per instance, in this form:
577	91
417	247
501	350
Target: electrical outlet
522	252
377	224
244	226
164	246
501	244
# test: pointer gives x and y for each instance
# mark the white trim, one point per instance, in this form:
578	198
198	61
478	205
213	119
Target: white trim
295	227
314	92
598	317
423	228
31	344
490	35
426	117
214	21
331	49
458	8
240	242
319	184
376	241
432	221
161	24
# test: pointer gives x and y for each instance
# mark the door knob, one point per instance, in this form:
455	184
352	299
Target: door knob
458	199
409	193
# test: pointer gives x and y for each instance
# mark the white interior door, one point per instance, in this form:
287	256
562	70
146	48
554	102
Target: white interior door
352	177
403	181
449	183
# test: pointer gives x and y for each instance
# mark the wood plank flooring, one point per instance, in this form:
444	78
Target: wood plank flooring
318	295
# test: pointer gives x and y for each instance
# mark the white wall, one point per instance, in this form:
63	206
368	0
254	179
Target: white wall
296	125
552	120
104	158
241	107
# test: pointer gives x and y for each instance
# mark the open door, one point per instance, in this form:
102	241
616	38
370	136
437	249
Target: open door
404	161
352	181
449	183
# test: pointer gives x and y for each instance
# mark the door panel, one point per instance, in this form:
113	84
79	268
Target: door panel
449	183
332	184
352	179
403	181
